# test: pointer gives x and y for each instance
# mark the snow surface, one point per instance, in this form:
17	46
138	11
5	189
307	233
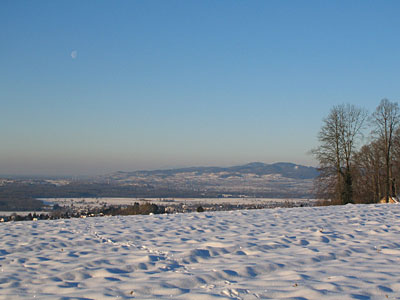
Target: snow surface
336	252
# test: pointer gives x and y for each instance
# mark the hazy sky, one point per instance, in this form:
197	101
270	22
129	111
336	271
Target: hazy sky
89	87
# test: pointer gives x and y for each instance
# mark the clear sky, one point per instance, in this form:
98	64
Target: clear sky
90	87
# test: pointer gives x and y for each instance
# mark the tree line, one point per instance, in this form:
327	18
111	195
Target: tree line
352	172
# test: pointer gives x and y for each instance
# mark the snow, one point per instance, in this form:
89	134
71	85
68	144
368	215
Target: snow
336	252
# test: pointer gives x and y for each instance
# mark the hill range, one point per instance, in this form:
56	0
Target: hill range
279	180
253	179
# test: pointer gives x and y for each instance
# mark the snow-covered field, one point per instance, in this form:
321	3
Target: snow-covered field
342	252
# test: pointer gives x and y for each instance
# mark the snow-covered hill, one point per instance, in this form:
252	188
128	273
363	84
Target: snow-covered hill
337	252
277	180
284	169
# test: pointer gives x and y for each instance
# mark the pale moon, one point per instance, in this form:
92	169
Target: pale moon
74	54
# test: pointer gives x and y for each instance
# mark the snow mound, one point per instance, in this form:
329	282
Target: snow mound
337	252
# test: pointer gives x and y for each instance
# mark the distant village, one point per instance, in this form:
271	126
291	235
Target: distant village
79	211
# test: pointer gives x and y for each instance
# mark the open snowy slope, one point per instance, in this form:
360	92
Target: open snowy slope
346	252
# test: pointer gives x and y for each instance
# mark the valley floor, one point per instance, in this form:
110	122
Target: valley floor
336	252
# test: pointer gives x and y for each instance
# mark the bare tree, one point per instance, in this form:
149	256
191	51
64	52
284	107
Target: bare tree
386	120
338	138
396	162
368	170
329	154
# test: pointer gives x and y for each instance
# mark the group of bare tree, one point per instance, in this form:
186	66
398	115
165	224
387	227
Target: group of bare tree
352	175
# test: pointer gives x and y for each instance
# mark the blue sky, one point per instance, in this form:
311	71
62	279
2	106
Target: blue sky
90	87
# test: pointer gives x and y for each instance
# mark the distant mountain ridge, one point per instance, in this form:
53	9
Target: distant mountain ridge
285	169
